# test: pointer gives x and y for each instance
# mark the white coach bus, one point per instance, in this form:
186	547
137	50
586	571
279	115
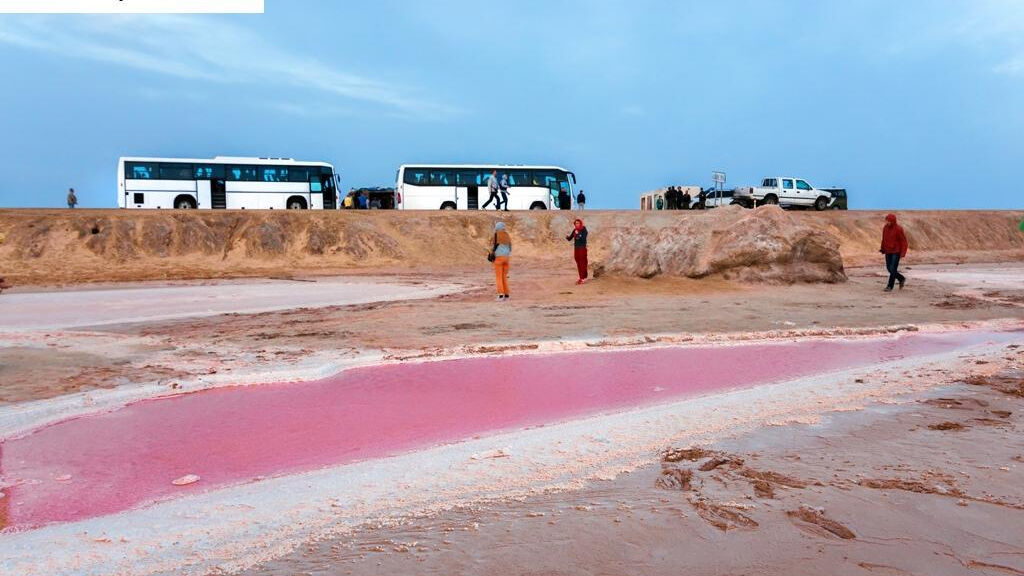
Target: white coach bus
464	187
226	183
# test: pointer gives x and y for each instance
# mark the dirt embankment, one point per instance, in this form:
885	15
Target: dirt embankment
763	245
62	246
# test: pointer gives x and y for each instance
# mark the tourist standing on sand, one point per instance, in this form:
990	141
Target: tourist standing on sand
72	199
492	189
579	252
581	200
894	246
503	190
685	200
500	253
364	200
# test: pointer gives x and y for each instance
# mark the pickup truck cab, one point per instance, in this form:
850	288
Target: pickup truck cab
785	191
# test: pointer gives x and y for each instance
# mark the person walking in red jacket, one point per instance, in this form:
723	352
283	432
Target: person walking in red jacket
579	238
894	246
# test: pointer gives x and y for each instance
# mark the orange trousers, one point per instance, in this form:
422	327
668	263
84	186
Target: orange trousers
501	274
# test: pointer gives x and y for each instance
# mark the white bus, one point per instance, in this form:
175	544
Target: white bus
226	183
464	187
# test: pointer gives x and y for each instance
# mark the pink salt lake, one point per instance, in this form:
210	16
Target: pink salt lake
128	458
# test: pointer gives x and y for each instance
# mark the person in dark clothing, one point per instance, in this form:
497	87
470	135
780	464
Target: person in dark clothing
702	199
492	191
581	200
578	237
894	246
685	200
670	198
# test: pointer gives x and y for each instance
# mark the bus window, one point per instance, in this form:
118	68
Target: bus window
315	185
298	174
441	178
208	172
273	174
544	178
468	178
176	172
416	176
519	178
242	173
140	171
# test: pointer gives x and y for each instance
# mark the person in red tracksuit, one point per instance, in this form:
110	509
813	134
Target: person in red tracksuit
579	238
894	246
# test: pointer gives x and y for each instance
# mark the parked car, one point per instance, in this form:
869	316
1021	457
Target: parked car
838	198
784	191
713	199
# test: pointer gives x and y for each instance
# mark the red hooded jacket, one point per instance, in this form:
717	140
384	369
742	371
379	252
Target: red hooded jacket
894	241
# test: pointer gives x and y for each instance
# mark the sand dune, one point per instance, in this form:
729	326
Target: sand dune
61	246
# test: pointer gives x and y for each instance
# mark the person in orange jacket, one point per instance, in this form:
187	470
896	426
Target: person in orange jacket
894	246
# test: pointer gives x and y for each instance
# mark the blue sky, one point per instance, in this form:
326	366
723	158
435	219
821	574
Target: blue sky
915	104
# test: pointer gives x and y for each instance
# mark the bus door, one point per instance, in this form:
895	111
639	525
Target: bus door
329	191
561	197
468	185
218	194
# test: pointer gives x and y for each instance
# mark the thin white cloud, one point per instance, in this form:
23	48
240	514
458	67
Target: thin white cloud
207	49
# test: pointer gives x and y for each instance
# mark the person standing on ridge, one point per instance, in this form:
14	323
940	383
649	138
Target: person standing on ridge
685	200
72	198
503	190
579	238
581	200
492	189
500	253
894	246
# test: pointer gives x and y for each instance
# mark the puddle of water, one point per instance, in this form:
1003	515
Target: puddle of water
103	464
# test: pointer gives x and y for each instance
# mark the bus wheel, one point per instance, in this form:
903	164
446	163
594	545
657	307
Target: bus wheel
184	203
538	206
296	203
448	206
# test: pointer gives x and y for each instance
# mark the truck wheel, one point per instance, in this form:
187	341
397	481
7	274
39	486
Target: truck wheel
771	200
821	203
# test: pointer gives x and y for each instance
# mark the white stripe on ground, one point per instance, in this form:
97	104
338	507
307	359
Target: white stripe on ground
82	308
235	528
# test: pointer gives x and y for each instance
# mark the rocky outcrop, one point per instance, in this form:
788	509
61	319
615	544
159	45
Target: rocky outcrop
763	245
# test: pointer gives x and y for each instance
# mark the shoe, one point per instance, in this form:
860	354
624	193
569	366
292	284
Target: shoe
506	297
903	283
579	282
888	289
502	298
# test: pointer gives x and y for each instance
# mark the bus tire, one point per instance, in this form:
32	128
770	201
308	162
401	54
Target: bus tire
448	206
296	203
538	206
821	203
184	202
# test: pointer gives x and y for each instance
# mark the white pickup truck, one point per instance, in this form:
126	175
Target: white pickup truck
784	191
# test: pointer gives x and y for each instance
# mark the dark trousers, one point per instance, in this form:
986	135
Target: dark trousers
493	198
892	264
580	255
503	200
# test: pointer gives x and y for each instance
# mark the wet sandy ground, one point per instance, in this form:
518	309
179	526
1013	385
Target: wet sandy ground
546	306
63	309
935	486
